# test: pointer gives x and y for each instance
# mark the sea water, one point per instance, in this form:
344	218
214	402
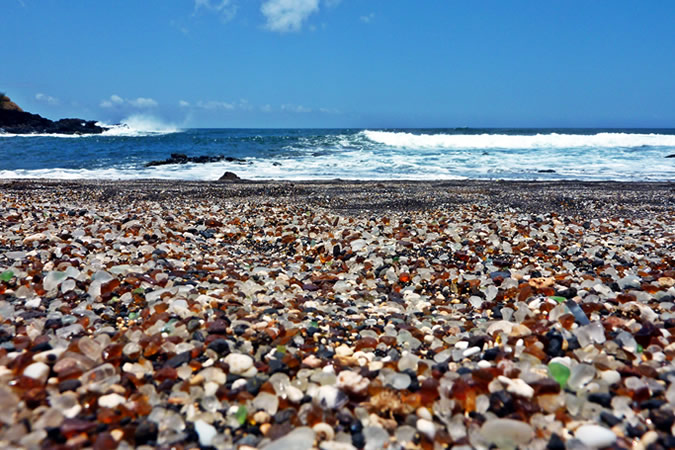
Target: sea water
350	154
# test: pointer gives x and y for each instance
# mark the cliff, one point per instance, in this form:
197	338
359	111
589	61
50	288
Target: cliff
14	120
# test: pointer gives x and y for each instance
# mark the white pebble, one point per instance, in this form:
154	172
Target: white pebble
517	386
206	432
110	400
427	428
37	371
595	436
239	363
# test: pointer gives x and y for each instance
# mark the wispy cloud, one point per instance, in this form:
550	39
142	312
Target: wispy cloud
183	104
227	9
368	18
215	105
140	103
287	15
48	99
296	108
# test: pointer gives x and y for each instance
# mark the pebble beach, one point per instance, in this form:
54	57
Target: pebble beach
337	315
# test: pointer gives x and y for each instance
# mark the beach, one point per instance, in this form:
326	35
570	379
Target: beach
337	314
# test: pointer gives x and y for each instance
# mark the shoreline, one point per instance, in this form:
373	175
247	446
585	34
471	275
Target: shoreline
335	315
565	197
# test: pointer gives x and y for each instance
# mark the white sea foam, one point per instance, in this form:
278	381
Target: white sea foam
139	125
505	141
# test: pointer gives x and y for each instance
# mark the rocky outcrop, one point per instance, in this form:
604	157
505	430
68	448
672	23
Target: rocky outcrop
180	158
229	176
6	103
16	121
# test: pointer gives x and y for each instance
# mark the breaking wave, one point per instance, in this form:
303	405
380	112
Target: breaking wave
506	141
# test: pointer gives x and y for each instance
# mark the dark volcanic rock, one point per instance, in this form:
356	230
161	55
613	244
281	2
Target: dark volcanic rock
180	158
229	176
16	121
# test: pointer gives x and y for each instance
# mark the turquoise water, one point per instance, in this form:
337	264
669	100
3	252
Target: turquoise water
548	154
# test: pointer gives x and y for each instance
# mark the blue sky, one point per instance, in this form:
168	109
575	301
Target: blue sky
344	63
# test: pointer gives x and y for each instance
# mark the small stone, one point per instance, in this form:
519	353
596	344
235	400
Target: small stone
239	363
507	433
517	386
37	371
352	381
427	428
331	397
206	432
111	400
595	436
312	361
266	402
301	438
375	437
408	362
344	351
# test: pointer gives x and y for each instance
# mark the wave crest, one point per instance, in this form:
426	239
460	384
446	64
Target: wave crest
139	125
506	141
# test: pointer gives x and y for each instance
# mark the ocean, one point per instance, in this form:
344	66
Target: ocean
349	154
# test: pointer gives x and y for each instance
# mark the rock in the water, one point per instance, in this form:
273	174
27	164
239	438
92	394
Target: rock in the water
507	433
181	158
229	176
595	436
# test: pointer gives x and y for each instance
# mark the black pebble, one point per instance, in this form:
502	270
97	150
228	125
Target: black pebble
555	343
555	443
662	419
146	432
284	415
219	346
198	336
358	440
609	419
491	354
601	398
501	403
178	360
69	385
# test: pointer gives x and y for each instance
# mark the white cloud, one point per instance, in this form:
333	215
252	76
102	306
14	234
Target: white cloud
183	104
287	15
226	8
367	19
296	108
140	102
266	108
48	99
212	105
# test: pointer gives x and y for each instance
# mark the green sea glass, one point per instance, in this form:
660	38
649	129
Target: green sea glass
6	275
560	373
241	415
